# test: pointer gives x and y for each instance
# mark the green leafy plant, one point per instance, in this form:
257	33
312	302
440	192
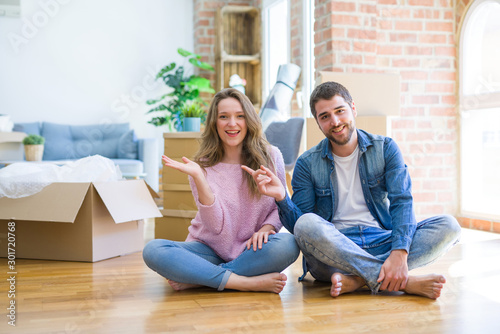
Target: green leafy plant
168	108
33	140
193	110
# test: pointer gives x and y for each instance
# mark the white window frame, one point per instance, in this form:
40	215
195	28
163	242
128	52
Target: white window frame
471	102
267	4
308	70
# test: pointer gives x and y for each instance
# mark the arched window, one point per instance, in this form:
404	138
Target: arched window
480	110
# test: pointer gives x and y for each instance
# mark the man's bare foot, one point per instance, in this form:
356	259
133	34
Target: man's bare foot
182	286
429	286
345	283
273	282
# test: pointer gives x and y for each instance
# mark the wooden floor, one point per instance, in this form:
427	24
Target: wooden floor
121	295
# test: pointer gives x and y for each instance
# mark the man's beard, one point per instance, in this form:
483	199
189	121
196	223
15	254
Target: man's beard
344	140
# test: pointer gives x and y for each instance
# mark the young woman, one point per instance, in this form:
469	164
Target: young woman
233	241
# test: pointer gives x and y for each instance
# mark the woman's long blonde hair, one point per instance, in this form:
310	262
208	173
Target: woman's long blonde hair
256	148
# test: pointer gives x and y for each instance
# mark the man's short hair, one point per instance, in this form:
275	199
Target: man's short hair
326	91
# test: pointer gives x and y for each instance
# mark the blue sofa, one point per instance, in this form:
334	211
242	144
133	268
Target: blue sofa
135	157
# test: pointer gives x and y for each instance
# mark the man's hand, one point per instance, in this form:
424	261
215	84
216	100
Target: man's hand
267	183
394	272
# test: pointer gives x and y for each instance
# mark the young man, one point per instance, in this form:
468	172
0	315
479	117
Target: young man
352	208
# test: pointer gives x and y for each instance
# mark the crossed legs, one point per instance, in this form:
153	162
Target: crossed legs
191	264
349	263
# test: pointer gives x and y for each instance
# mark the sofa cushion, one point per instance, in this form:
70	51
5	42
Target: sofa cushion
99	139
28	128
127	146
78	141
58	142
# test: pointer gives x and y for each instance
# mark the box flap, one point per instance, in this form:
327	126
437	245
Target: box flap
12	137
152	192
127	200
58	202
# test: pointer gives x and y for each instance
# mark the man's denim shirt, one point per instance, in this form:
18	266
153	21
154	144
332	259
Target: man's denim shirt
384	178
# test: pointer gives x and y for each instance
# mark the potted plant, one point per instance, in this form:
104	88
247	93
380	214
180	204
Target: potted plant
193	116
167	108
33	147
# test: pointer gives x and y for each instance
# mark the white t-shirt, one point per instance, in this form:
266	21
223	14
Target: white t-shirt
351	209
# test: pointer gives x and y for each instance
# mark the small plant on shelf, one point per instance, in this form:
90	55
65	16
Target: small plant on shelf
33	140
192	115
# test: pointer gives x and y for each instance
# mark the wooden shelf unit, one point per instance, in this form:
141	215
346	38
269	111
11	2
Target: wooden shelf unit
238	49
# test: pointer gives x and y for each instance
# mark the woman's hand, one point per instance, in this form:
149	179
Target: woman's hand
260	237
187	166
191	168
267	182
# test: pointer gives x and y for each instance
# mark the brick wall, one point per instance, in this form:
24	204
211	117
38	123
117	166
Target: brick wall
416	39
461	7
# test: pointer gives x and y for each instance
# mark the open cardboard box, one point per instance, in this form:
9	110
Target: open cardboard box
79	221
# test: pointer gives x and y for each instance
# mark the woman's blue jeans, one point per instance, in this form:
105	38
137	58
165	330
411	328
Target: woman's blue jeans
196	263
362	250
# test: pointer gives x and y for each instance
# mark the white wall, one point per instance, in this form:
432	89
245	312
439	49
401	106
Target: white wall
90	61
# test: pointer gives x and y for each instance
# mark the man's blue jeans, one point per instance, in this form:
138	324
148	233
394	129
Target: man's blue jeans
361	250
196	263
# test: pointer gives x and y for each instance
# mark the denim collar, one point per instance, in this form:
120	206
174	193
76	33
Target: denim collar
363	142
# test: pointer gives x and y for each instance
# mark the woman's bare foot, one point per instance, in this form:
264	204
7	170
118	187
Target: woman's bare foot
273	282
345	283
429	286
182	286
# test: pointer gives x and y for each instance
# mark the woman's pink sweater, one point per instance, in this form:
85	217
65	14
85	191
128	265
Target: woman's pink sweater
235	215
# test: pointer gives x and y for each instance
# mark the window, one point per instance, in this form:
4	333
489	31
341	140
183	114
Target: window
277	46
276	39
308	58
480	110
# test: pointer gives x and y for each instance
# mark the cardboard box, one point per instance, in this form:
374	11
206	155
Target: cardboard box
176	197
79	221
181	144
11	145
379	125
173	176
174	224
374	94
